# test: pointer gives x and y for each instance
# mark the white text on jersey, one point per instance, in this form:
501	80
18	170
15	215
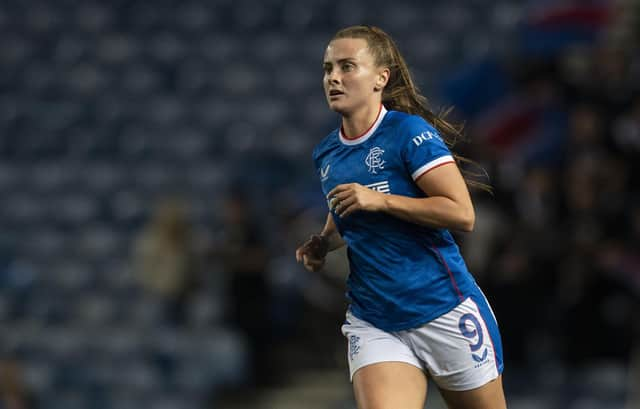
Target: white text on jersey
424	136
382	187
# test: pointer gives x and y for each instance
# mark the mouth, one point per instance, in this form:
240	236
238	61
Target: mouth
335	93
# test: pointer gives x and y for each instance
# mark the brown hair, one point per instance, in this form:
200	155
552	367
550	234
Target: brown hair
401	93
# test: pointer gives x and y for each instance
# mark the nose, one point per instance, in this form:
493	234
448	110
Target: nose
332	77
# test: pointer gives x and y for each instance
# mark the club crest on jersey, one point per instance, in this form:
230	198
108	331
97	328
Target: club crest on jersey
324	173
374	160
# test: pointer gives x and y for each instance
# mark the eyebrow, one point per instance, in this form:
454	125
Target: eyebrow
348	59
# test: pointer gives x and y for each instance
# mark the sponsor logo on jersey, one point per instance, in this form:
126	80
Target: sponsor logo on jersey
374	159
324	173
480	358
423	137
382	187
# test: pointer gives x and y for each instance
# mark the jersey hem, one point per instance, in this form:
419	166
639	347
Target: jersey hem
415	323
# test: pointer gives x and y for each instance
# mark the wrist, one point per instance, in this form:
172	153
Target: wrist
387	202
320	244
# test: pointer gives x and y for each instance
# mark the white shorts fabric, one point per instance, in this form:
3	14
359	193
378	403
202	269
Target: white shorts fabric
456	349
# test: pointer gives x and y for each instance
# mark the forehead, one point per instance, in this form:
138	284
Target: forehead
343	48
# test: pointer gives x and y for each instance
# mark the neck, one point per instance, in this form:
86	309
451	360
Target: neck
357	123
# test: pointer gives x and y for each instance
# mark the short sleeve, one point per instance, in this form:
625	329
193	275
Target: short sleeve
315	157
423	149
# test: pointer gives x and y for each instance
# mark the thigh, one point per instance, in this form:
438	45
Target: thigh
488	396
390	385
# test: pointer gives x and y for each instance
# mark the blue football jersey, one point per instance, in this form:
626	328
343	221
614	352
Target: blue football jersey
402	274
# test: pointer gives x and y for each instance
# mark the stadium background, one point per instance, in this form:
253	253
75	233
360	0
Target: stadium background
155	179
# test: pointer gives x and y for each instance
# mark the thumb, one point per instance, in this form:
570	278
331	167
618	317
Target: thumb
299	253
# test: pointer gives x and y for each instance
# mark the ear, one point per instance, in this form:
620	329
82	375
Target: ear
382	79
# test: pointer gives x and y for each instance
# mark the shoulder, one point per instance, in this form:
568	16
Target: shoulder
408	125
326	144
421	145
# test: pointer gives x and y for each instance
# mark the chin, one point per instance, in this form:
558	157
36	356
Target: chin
337	107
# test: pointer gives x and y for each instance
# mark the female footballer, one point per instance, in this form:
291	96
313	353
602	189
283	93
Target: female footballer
394	192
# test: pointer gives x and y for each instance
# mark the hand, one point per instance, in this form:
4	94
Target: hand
312	253
350	197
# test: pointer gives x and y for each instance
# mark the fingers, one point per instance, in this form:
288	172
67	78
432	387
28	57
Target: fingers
302	250
306	260
335	190
345	199
312	264
340	189
315	242
315	246
341	197
299	254
351	197
346	206
312	253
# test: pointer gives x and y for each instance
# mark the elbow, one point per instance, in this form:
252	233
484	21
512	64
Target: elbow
468	221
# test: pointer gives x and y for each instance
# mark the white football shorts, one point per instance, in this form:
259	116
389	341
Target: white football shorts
460	350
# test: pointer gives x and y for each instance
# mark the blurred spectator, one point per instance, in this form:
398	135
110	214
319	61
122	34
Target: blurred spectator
244	254
308	306
626	130
14	393
164	261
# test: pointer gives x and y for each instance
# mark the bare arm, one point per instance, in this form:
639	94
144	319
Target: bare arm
448	204
330	232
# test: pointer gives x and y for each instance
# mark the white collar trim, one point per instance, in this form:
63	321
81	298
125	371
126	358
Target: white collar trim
368	132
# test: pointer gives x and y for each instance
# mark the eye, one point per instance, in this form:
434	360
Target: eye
348	66
326	69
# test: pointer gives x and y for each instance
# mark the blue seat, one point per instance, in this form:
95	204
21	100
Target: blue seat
196	17
39	376
24	208
95	310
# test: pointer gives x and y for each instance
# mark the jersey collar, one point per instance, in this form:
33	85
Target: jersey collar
359	139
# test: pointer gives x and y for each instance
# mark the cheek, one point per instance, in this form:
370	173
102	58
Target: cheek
352	82
362	85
